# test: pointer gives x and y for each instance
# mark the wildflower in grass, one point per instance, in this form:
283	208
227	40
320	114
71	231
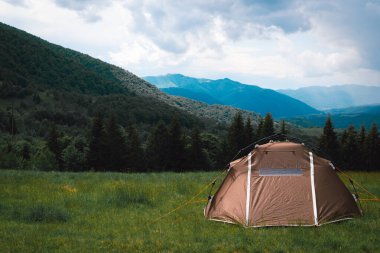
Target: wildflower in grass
69	188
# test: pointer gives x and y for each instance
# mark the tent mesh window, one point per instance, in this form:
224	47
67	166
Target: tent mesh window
280	163
280	172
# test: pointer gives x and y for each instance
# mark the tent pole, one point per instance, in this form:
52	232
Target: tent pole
356	195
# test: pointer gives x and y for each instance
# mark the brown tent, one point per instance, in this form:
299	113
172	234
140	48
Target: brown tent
281	184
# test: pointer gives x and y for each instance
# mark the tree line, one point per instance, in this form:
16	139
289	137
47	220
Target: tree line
354	149
110	147
170	147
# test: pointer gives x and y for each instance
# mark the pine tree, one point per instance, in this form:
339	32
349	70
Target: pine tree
54	145
362	135
97	145
116	149
260	129
157	148
73	159
373	149
248	133
12	128
211	146
236	135
349	148
268	127
196	155
328	142
283	129
25	152
224	155
176	146
36	98
134	151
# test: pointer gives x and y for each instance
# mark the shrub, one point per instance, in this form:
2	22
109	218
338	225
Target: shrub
131	195
44	160
73	159
46	214
9	160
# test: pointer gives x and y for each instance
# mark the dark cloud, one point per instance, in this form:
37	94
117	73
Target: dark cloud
350	24
16	2
169	23
164	24
79	5
285	15
87	9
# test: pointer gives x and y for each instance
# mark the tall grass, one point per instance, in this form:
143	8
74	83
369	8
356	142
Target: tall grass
130	195
44	213
113	212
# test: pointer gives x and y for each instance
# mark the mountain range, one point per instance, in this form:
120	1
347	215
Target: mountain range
232	93
254	98
357	116
339	96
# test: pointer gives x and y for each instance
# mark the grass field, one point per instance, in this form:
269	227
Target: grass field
112	212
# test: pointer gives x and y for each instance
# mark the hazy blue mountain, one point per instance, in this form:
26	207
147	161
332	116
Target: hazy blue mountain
343	117
339	96
232	93
365	109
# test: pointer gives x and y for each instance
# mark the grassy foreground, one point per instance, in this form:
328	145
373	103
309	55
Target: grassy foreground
112	212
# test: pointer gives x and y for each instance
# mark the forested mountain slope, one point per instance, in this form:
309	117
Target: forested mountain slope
41	82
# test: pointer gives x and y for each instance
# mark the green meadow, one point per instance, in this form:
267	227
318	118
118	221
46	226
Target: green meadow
115	212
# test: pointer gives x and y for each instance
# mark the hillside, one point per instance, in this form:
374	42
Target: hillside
232	93
339	96
191	94
44	83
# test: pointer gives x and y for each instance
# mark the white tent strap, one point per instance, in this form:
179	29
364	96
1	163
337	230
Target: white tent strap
313	188
248	190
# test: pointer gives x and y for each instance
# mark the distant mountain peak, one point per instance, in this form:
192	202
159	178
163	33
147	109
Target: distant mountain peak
233	93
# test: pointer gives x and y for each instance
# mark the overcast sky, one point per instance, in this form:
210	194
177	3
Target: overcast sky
274	44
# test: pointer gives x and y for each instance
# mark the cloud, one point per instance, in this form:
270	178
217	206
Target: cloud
80	5
323	64
301	40
351	24
88	9
168	23
291	41
16	2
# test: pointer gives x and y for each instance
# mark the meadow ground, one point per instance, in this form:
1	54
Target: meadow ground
113	212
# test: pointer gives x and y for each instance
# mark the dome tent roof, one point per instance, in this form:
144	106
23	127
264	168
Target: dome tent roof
281	184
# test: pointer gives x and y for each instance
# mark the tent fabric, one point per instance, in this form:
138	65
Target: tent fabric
288	186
